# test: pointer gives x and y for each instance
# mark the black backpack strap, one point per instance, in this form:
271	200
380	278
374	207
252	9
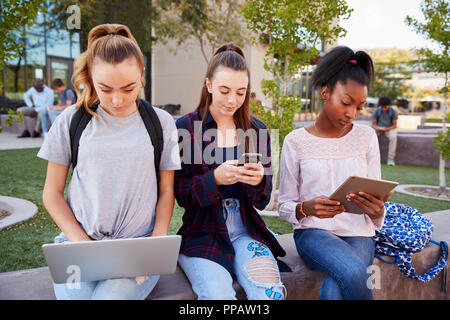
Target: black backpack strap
78	123
153	126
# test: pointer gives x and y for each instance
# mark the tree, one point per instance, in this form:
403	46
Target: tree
210	23
392	70
14	16
436	28
292	31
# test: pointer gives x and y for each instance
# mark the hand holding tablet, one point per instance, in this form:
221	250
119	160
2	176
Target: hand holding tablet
364	195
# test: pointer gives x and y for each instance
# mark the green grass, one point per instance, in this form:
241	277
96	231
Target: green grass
23	176
436	120
411	174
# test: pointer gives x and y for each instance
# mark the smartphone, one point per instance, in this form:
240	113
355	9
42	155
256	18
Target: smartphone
249	158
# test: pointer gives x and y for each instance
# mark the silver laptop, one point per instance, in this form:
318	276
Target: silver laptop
111	259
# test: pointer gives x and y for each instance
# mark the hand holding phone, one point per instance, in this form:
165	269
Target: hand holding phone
225	174
251	170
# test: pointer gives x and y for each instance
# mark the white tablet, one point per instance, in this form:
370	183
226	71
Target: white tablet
378	188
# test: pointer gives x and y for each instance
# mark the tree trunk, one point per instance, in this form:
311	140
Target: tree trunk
275	159
148	76
16	74
442	182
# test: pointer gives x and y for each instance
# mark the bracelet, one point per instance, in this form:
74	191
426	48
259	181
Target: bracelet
300	209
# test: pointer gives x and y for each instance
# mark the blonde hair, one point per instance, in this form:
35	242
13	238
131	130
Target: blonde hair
112	43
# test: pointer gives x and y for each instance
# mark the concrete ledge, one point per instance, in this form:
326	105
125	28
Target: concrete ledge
301	284
406	189
413	148
409	121
20	209
29	124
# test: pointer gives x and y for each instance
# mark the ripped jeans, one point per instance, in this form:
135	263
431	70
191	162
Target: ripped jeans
113	289
254	265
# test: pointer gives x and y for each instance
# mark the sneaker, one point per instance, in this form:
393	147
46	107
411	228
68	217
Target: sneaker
25	134
390	162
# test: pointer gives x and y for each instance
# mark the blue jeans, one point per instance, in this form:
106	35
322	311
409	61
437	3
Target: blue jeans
254	265
48	117
343	259
53	113
112	289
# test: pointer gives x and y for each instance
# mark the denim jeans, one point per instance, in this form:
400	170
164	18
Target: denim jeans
112	289
53	113
48	117
254	265
45	120
344	260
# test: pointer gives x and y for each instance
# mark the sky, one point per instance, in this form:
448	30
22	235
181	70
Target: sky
381	24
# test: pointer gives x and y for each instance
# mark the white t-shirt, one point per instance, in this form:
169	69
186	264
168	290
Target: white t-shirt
312	166
113	189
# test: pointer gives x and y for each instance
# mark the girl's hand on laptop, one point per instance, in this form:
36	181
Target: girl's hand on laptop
322	207
370	204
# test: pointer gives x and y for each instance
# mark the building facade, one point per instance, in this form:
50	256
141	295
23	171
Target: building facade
177	75
48	54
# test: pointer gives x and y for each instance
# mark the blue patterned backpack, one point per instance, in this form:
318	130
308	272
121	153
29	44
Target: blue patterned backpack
405	231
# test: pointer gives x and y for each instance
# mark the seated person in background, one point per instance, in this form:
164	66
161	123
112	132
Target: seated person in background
384	121
42	97
66	98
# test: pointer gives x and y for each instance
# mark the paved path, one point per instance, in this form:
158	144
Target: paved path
9	141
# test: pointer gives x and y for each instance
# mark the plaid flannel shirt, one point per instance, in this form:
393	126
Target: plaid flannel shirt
204	232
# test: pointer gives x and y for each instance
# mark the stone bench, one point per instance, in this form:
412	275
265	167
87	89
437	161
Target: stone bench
30	124
301	284
413	148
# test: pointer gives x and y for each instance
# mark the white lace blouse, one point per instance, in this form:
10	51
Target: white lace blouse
312	166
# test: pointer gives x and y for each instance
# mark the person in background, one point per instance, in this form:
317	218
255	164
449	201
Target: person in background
37	99
384	121
66	98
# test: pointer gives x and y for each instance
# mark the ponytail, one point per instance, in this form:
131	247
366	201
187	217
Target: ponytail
340	64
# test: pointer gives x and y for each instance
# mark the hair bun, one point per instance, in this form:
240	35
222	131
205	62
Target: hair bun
109	29
230	47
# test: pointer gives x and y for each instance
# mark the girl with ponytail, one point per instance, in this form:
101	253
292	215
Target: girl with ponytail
113	188
315	160
222	234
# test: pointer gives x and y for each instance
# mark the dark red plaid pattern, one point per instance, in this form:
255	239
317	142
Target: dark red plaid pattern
204	232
